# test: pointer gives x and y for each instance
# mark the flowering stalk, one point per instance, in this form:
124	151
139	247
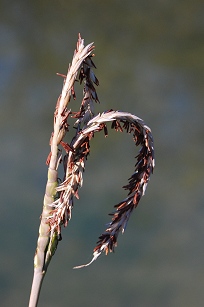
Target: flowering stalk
58	199
48	240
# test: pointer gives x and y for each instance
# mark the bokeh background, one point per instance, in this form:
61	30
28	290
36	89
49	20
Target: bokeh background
149	58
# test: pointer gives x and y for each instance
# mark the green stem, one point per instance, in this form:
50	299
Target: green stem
41	259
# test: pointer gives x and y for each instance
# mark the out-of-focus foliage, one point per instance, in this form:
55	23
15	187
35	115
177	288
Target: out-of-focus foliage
149	56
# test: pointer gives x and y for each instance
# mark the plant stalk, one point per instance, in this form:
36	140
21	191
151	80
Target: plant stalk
47	240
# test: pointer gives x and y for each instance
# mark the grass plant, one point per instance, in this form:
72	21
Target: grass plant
60	192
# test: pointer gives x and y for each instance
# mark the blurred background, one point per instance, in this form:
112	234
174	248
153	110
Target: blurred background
149	58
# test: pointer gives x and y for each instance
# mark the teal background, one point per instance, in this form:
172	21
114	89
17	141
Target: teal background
149	58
